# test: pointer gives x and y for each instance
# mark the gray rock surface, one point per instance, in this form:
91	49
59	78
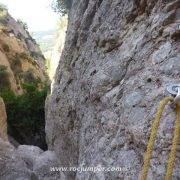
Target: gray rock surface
43	164
26	163
29	154
12	167
118	58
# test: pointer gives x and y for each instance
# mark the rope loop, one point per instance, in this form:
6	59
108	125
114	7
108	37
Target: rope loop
154	130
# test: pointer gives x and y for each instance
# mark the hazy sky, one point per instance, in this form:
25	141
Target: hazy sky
36	13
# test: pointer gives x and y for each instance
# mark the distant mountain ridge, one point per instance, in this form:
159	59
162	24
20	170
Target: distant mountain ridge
45	39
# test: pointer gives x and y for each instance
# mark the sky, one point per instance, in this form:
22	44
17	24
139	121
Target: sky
38	14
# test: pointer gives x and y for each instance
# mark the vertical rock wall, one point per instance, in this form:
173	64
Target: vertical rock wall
118	58
20	56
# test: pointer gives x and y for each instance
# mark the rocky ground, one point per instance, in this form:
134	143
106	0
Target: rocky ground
24	161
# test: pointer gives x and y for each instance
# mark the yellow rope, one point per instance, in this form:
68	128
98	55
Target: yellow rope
153	135
172	156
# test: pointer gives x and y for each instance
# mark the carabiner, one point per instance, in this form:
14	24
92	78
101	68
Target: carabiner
174	89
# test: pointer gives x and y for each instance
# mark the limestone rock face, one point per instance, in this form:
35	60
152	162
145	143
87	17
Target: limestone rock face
3	120
21	60
117	60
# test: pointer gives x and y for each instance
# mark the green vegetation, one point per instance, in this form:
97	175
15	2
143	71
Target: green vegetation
3	15
26	117
29	77
3	7
62	6
4	78
3	11
16	65
23	55
6	47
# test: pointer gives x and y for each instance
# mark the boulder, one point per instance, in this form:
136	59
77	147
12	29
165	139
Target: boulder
12	167
28	154
27	163
44	164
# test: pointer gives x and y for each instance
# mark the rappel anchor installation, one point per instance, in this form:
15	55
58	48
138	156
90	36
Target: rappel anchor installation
174	90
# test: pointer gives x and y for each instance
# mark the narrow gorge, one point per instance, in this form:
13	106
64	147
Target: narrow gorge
117	60
22	71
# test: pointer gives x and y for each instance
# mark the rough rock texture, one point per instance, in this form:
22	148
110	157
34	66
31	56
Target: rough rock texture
43	164
3	121
20	55
28	154
118	57
26	163
12	167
